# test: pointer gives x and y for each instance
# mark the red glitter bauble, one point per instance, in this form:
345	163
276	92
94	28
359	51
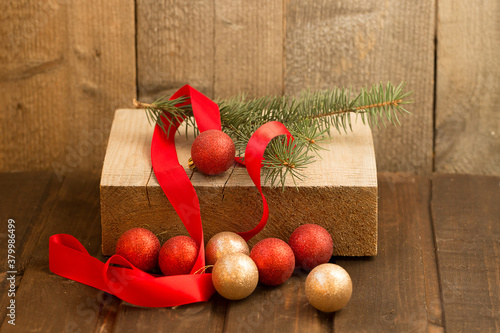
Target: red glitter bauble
213	152
312	246
178	255
274	260
140	247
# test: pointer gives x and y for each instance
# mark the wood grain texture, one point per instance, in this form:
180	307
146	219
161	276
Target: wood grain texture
357	43
21	204
395	291
65	67
339	192
204	316
403	268
248	48
466	218
29	205
73	306
220	47
175	46
468	86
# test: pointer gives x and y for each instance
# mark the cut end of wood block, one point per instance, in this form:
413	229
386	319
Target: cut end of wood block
339	192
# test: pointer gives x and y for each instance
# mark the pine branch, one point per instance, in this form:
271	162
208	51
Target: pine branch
167	110
309	118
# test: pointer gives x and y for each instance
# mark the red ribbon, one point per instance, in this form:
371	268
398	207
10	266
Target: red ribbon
254	153
68	257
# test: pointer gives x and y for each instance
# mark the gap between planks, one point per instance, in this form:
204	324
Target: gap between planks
403	271
147	183
433	293
465	211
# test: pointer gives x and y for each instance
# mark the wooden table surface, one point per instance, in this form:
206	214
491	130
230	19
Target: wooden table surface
438	266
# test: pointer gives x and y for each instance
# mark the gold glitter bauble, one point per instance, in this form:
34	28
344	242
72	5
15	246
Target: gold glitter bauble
235	276
328	287
224	243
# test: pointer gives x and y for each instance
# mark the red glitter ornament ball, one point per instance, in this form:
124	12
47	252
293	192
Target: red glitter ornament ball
274	260
312	246
178	255
213	152
140	247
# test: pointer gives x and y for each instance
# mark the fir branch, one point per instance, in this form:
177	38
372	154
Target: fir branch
164	109
285	157
309	118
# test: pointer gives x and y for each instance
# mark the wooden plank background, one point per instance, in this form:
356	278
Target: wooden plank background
66	65
468	87
467	249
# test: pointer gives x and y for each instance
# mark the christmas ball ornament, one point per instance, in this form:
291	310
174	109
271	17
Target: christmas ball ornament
312	245
213	152
140	247
274	259
178	255
235	276
328	287
224	243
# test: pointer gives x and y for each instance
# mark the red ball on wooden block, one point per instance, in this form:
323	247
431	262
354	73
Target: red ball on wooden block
312	245
140	247
213	152
274	259
178	255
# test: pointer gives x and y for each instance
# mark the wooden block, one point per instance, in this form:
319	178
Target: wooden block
339	192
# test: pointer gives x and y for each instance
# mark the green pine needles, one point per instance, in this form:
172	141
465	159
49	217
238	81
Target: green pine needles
309	117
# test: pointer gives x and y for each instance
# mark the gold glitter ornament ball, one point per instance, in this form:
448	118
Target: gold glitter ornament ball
235	276
328	287
224	243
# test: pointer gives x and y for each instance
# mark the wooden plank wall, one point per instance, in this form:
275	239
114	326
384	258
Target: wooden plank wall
65	65
467	132
355	43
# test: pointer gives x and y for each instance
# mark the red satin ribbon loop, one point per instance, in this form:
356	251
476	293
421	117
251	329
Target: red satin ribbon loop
254	154
68	257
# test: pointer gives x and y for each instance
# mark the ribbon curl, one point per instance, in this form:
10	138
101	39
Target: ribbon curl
68	258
